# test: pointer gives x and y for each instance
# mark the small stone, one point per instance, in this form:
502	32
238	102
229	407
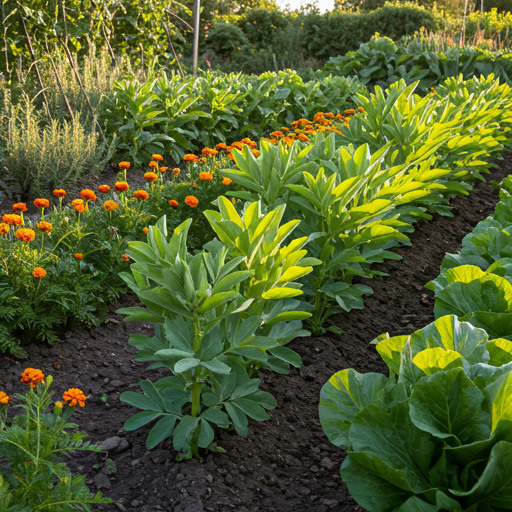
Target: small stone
327	463
123	446
330	503
229	479
209	478
101	481
135	503
110	444
116	383
314	469
159	456
180	477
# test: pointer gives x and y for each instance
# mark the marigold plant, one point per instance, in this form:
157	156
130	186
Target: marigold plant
59	192
32	377
4	398
4	228
39	272
44	226
153	165
124	165
141	194
205	176
79	256
25	234
226	181
88	195
191	201
190	158
19	207
121	186
158	158
12	219
176	171
110	205
41	203
104	189
150	176
173	203
78	205
75	397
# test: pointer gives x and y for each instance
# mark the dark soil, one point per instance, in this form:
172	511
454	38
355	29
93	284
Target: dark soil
286	464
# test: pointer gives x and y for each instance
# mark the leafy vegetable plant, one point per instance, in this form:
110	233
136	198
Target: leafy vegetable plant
437	434
219	316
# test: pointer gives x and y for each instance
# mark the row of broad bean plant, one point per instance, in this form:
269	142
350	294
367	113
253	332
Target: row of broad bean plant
227	311
445	410
423	57
174	115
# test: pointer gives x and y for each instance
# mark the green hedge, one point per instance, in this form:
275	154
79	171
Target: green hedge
279	39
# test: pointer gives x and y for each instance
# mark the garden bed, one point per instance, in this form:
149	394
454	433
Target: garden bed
286	463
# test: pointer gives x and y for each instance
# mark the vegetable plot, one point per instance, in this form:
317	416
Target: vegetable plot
437	434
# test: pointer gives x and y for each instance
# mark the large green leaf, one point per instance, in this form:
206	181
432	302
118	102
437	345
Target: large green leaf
342	397
448	405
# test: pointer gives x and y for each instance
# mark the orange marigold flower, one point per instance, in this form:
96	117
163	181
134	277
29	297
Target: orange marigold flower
145	231
194	184
221	146
121	186
255	152
12	219
230	156
59	192
339	116
191	201
124	165
176	171
4	228
190	158
150	176
284	129
163	169
59	405
110	205
19	207
44	226
238	145
330	115
75	397
250	143
309	128
173	203
87	194
41	203
78	205
288	141
361	109
39	272
79	256
32	377
158	158
277	134
350	112
227	181
209	151
104	189
4	398
303	138
140	194
152	165
206	176
25	234
125	257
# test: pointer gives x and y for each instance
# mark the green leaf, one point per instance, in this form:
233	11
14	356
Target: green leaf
238	418
288	355
215	415
186	364
494	487
502	404
251	408
216	366
162	429
280	293
436	359
139	401
448	405
140	419
182	432
206	434
217	300
342	397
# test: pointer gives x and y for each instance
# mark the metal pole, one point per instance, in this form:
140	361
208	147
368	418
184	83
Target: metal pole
482	7
196	15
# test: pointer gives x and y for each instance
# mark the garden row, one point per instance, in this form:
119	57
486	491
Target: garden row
348	192
448	392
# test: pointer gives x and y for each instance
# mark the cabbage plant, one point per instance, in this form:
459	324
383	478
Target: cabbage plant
434	436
